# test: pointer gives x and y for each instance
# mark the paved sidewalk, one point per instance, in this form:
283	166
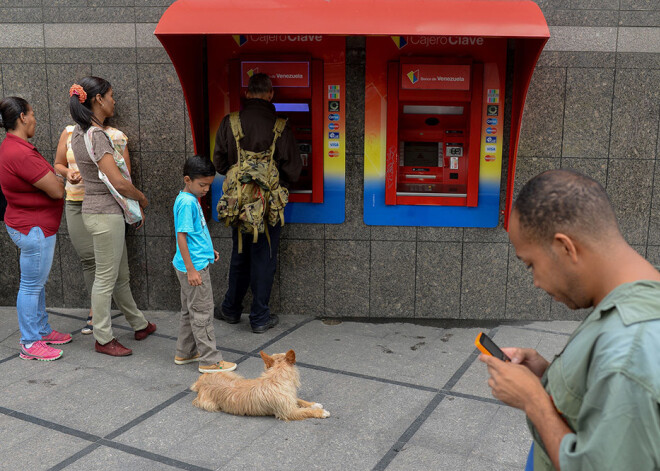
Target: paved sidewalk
402	397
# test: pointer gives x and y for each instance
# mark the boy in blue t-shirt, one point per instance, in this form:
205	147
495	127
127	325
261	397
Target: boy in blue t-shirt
194	253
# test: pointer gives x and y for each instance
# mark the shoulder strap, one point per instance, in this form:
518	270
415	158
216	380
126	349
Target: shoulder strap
236	128
280	123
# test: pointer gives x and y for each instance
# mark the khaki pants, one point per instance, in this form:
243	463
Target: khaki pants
111	279
196	333
81	240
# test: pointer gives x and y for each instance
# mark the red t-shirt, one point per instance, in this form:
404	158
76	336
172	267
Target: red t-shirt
21	165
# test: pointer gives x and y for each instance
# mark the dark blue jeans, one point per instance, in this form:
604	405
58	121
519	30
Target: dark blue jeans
255	269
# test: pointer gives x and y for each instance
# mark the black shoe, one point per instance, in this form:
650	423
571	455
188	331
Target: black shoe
221	316
272	322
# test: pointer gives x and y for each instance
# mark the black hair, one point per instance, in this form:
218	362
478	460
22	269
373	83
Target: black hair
198	166
82	112
564	201
260	84
11	109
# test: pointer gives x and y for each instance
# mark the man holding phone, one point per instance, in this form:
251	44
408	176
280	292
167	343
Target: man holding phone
597	405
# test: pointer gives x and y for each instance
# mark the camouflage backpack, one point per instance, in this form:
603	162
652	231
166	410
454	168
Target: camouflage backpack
251	192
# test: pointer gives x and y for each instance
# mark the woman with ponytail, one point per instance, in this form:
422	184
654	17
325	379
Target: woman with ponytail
65	164
109	195
34	210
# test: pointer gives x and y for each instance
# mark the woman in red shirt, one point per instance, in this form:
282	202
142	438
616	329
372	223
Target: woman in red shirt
34	210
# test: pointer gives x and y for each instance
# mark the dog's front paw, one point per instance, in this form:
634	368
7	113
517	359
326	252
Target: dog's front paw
326	414
316	405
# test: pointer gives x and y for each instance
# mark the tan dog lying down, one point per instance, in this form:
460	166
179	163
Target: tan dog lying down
272	393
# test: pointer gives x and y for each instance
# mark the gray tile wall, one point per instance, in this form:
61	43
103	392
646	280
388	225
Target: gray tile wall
593	106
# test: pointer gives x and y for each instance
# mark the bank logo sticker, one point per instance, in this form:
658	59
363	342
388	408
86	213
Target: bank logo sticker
333	144
333	135
333	116
493	110
333	153
413	76
491	140
400	41
491	121
333	105
333	88
491	131
333	126
333	96
240	39
491	148
493	95
489	158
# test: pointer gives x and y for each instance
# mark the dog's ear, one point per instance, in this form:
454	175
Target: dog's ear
268	360
290	357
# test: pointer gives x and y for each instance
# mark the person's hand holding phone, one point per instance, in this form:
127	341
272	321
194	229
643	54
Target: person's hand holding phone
527	357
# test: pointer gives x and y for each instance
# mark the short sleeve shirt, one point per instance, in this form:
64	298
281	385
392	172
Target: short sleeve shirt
98	199
76	192
21	166
189	218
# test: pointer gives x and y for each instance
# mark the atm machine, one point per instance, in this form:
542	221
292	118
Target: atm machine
298	96
433	131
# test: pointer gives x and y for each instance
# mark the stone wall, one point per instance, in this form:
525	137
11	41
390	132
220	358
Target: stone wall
593	105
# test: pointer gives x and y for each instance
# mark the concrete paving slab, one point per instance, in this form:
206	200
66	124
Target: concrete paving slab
24	445
417	354
415	458
377	380
110	458
460	430
367	416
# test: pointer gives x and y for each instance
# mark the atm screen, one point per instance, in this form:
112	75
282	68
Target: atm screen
421	154
291	107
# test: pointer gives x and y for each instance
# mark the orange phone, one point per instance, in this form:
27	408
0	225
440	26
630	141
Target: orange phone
488	347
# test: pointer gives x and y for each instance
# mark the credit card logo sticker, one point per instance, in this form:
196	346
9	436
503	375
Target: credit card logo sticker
333	153
333	126
333	116
333	144
491	148
489	158
493	110
333	105
491	121
491	130
333	95
491	139
333	135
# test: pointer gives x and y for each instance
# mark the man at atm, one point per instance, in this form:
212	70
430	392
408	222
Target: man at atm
255	267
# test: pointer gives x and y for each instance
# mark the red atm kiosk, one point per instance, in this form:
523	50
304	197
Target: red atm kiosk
433	131
298	85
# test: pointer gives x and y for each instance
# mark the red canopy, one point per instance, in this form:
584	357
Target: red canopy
185	24
488	18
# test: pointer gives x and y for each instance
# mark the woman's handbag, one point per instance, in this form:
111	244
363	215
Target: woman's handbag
131	207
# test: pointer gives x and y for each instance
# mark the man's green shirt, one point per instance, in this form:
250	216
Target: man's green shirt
606	386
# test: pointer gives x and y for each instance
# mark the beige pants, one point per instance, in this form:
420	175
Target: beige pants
81	240
111	278
196	333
